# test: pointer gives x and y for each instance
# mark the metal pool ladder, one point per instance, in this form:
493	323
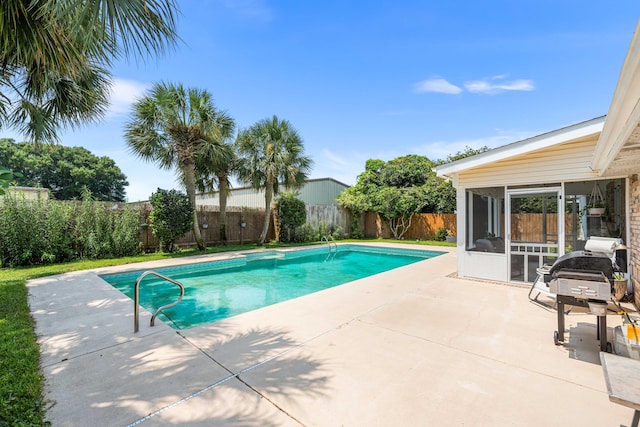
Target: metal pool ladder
326	239
136	298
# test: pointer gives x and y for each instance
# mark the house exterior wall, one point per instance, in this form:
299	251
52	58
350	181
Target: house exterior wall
565	162
634	228
480	265
30	193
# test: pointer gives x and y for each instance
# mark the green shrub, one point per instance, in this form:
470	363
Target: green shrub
310	233
356	232
23	232
45	232
305	233
171	216
103	231
58	233
290	214
441	234
126	233
92	226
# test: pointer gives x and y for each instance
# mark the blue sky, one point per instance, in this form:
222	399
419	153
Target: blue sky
380	79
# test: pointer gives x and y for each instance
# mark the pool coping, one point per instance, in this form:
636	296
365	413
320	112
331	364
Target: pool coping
365	353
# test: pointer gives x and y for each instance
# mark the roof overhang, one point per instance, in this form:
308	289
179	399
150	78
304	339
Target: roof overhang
560	136
617	152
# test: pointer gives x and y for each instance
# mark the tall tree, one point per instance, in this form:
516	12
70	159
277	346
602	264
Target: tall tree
466	152
357	198
213	169
55	56
399	189
176	128
272	153
66	171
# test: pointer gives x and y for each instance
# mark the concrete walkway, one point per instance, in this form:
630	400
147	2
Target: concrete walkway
410	347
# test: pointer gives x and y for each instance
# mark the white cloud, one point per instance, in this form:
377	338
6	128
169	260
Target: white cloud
496	85
491	86
437	85
123	94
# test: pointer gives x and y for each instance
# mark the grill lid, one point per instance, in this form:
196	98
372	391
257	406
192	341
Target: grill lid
585	261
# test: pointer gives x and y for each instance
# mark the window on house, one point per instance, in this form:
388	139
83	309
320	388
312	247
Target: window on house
485	220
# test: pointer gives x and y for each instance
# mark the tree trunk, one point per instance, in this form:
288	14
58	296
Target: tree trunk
268	196
190	186
222	219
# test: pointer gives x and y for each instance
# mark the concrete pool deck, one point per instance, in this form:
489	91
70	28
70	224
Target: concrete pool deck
411	347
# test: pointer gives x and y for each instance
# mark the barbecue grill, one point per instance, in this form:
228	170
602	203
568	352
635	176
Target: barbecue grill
584	279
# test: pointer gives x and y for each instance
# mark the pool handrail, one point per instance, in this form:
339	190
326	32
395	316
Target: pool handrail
326	239
136	298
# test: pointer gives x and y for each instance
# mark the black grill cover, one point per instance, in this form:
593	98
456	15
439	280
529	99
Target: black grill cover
584	260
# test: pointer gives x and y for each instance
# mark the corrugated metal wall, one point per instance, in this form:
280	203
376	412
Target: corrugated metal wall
321	191
315	192
239	197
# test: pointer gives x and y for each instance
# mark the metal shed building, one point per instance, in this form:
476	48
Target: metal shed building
321	191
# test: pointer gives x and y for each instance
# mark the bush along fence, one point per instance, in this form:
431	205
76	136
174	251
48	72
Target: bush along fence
245	224
47	231
43	232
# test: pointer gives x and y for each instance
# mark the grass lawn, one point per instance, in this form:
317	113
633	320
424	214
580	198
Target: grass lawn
21	382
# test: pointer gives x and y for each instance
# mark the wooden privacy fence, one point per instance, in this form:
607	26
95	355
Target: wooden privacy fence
524	227
423	226
529	227
253	219
208	218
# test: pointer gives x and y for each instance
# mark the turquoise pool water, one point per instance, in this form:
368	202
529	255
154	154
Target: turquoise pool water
220	289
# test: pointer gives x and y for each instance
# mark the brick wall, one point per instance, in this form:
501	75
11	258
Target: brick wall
634	228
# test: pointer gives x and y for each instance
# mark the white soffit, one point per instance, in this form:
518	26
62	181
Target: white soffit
549	139
618	149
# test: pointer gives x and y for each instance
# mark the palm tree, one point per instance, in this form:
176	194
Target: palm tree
271	153
214	169
55	55
176	128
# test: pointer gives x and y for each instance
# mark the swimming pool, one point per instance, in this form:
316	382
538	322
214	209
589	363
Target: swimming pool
220	289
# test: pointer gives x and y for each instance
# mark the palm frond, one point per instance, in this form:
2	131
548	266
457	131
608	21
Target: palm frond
271	151
139	27
50	51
